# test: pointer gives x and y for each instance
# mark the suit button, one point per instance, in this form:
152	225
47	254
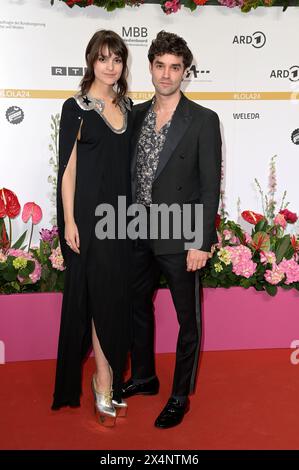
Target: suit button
179	188
182	157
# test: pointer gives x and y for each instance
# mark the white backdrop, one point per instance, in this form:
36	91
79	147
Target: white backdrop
245	68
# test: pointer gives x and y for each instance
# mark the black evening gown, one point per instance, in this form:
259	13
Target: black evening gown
96	281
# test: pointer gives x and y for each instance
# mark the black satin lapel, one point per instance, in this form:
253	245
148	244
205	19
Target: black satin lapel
180	122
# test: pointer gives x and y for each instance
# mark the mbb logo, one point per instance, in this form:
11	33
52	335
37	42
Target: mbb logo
134	32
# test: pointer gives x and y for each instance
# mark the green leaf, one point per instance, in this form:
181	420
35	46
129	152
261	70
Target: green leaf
272	290
190	4
20	240
10	275
282	248
261	225
262	239
16	286
287	286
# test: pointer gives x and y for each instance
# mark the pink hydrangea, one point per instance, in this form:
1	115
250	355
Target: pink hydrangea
239	253
56	259
3	257
274	275
291	269
36	274
245	268
241	260
267	257
229	236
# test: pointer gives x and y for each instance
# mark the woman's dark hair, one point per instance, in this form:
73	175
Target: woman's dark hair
170	43
115	45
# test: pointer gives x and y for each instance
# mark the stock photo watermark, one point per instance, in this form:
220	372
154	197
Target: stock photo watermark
158	221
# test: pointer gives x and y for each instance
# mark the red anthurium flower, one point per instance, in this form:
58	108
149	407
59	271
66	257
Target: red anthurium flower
217	221
290	217
71	3
295	243
2	209
200	2
9	204
252	217
4	241
32	210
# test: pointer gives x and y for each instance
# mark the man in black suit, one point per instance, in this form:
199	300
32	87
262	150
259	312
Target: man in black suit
176	158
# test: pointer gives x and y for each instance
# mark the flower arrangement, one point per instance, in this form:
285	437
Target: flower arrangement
24	268
109	5
265	259
172	6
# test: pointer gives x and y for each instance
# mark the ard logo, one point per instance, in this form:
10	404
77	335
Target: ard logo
256	40
134	32
292	73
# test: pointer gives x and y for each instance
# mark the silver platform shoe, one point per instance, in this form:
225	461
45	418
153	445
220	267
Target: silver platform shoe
103	406
121	408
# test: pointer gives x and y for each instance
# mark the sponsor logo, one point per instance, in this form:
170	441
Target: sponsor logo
63	71
239	116
295	137
135	35
14	115
291	73
256	40
197	75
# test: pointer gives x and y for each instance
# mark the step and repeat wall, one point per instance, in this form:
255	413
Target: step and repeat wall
246	68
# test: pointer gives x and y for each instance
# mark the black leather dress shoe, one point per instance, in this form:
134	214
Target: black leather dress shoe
131	388
172	414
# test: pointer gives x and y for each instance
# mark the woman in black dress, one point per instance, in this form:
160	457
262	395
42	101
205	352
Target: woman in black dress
94	169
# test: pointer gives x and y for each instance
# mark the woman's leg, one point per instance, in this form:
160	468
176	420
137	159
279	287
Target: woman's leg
103	376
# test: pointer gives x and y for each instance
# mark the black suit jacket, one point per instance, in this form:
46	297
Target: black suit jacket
189	169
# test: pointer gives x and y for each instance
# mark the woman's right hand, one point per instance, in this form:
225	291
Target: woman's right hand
71	235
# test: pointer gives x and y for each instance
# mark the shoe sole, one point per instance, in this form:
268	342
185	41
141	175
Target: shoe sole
139	393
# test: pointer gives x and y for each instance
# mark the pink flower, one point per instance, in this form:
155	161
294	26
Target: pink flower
248	239
267	257
245	268
241	260
280	220
227	234
171	6
32	210
57	259
3	257
274	275
231	3
291	268
36	274
49	235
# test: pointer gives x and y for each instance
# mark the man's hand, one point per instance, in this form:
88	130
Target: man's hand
196	259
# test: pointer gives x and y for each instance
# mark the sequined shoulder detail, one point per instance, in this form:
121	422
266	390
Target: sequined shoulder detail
89	104
126	104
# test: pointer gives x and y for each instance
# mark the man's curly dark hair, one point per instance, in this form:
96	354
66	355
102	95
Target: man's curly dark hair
170	43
